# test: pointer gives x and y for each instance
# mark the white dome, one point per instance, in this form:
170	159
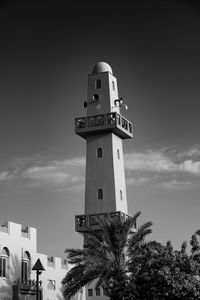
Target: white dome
101	67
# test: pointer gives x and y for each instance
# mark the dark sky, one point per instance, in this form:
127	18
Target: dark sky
47	49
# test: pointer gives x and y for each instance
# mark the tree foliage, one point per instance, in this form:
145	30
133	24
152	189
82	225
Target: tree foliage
128	267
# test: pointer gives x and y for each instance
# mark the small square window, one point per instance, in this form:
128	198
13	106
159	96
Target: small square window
51	284
90	292
98	292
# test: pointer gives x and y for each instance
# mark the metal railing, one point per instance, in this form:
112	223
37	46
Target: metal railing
82	222
27	282
110	119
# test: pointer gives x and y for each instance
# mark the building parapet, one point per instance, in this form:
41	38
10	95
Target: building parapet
113	122
25	232
50	261
4	227
64	264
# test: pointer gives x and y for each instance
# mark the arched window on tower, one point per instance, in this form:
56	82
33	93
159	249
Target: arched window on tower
113	85
4	262
26	261
98	84
99	152
100	194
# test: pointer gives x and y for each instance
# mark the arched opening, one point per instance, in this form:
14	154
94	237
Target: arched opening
26	266
100	194
113	85
99	152
98	84
4	262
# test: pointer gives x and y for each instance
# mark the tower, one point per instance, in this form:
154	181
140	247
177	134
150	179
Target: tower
104	129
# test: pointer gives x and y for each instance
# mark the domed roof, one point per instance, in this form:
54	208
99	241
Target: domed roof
101	67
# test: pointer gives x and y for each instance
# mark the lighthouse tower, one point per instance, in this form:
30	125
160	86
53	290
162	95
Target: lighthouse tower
104	129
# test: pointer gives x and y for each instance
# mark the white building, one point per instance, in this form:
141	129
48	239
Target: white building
18	254
104	129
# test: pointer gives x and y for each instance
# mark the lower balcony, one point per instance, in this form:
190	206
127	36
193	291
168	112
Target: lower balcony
91	221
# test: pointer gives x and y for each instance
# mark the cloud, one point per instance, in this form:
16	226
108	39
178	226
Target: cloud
175	184
193	152
158	161
149	161
190	166
56	173
168	168
5	176
164	168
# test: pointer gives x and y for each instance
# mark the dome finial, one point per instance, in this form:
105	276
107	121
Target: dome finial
101	67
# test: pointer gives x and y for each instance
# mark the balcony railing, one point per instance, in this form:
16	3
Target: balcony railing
28	282
91	221
102	123
26	289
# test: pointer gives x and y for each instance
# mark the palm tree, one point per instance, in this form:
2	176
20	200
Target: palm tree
106	258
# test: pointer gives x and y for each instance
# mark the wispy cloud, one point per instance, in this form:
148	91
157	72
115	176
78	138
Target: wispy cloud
167	168
5	175
149	161
64	173
158	161
56	173
193	152
164	168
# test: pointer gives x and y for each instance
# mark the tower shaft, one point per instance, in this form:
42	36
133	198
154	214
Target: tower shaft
104	129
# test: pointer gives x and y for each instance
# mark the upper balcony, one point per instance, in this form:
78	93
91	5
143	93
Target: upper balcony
85	222
104	123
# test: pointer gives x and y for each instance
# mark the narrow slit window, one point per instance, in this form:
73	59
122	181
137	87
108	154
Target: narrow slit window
118	154
3	266
113	85
98	84
100	194
121	195
25	266
99	152
24	270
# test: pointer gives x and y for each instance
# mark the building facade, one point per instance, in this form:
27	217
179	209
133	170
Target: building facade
104	129
18	254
